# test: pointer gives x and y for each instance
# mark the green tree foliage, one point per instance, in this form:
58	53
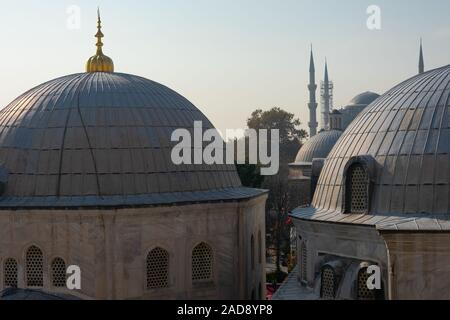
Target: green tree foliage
250	175
290	135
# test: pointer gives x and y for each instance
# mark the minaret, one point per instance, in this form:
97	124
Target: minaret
312	105
421	62
326	97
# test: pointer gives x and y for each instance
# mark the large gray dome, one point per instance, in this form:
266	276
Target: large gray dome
318	147
407	133
96	135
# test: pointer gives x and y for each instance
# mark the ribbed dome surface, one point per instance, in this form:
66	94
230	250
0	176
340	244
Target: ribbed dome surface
407	132
101	134
319	146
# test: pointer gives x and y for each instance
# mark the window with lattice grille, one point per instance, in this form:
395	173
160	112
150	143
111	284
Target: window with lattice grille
252	252
158	269
328	284
202	263
10	273
304	261
357	190
35	267
364	293
259	247
59	273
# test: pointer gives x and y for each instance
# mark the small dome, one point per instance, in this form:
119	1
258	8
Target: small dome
100	63
407	134
318	146
364	98
99	135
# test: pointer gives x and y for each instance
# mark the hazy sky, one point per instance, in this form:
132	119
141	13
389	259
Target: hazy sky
228	57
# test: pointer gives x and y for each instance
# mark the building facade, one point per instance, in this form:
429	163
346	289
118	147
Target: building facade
87	179
383	200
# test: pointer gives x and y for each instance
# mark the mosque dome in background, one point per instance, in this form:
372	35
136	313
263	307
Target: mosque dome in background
407	134
364	98
318	146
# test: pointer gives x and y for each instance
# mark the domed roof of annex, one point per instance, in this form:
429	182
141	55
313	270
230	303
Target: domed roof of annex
318	147
364	98
103	139
407	133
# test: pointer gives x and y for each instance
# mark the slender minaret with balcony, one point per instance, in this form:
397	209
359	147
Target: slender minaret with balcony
326	92
312	105
421	61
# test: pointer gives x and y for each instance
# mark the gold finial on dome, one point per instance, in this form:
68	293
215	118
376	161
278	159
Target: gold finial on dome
99	62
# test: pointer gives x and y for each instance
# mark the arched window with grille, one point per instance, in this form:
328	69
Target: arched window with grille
260	246
252	251
363	291
202	263
158	269
10	273
34	267
328	284
357	190
58	273
303	261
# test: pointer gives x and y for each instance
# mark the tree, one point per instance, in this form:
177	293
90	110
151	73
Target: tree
278	201
250	175
290	135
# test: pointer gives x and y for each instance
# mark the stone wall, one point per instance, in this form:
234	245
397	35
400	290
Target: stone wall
111	247
339	241
420	265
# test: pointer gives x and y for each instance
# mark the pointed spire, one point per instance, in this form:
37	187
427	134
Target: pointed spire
99	62
326	79
311	61
421	60
99	34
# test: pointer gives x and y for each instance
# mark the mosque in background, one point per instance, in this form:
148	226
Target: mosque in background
86	179
382	199
304	172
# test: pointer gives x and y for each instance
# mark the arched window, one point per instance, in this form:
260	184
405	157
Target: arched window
34	267
259	247
252	251
363	292
158	269
303	261
328	284
357	190
58	273
10	273
202	263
